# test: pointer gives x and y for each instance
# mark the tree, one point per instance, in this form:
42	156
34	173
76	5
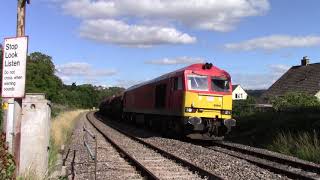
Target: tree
41	77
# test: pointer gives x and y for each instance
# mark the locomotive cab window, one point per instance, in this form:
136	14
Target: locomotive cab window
197	82
177	84
220	84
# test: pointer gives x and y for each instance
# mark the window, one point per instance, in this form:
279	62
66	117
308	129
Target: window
197	82
220	84
177	83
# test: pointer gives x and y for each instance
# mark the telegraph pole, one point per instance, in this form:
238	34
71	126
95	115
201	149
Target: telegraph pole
21	19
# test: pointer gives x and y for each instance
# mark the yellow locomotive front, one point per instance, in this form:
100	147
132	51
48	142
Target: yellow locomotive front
208	102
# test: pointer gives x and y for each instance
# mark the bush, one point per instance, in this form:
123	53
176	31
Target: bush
7	164
243	107
296	102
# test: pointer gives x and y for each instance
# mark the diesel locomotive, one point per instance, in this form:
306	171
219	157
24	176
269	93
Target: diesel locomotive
194	101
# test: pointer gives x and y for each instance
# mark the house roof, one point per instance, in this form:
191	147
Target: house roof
235	86
305	78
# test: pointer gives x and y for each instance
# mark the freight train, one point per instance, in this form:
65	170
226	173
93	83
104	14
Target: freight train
194	101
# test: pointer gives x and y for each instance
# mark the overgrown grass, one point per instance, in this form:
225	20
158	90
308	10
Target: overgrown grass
61	131
30	174
304	145
57	109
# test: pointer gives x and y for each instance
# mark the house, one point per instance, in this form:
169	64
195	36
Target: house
238	93
303	78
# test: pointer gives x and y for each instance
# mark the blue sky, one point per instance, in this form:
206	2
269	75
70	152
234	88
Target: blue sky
123	42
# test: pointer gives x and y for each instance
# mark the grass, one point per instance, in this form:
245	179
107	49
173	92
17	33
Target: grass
30	174
304	145
61	131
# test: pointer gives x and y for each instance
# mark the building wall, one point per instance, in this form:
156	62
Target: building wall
239	94
318	95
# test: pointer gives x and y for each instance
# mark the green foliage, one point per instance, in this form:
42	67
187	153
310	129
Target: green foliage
296	102
304	145
7	164
243	107
41	77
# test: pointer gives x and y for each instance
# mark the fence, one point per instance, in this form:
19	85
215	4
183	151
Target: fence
92	154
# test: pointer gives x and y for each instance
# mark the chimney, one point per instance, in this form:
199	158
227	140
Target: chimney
304	61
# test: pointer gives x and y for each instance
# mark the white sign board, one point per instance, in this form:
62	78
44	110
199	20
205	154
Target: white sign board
14	67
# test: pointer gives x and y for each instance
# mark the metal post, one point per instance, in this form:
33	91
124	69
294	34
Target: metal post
95	159
93	156
10	125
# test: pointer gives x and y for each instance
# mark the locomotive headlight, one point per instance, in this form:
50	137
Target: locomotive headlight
226	112
190	110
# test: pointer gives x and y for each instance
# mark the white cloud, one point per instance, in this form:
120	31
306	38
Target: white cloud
260	80
82	73
216	15
278	69
82	69
178	60
126	83
275	42
118	32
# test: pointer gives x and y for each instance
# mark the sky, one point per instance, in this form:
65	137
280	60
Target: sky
124	42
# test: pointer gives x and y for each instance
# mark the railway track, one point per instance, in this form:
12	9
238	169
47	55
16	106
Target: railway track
152	162
278	163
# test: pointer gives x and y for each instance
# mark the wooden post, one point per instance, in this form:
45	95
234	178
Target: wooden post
21	14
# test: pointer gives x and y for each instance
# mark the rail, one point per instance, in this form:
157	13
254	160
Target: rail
272	162
202	172
93	155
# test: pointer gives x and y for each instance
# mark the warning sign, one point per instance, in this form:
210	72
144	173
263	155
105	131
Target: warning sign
5	105
14	67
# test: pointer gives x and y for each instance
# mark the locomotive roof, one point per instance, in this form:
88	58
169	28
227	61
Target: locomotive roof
193	67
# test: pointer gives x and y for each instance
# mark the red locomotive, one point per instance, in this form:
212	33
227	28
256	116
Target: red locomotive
195	100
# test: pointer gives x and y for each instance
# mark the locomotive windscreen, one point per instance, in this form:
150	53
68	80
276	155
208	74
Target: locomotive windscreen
220	85
197	82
